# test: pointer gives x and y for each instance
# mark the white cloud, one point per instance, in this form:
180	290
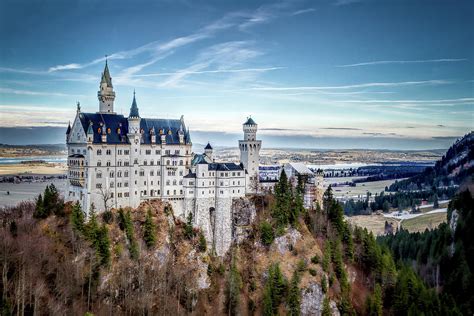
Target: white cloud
38	93
303	11
387	62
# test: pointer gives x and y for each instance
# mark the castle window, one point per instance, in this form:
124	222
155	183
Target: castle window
126	174
176	152
152	173
126	194
181	173
119	184
119	195
125	184
99	152
99	175
174	182
180	182
157	152
167	162
108	152
99	164
111	184
119	174
180	162
135	161
174	192
145	163
126	163
167	152
181	192
98	185
119	163
111	174
167	182
126	152
167	192
152	162
142	173
108	163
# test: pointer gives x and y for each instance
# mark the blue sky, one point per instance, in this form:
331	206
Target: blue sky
362	73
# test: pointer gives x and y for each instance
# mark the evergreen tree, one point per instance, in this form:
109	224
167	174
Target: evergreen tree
326	256
275	287
234	285
267	301
102	245
149	230
266	233
326	308
202	243
328	199
92	226
188	228
39	208
283	201
294	296
78	218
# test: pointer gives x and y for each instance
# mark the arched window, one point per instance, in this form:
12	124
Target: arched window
99	163
99	152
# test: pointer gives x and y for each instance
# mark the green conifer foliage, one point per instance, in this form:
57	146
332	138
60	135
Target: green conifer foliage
149	231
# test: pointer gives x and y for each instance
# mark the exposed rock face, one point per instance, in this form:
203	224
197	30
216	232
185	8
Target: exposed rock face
312	299
286	242
243	214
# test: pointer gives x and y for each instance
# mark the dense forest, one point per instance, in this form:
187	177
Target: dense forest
443	257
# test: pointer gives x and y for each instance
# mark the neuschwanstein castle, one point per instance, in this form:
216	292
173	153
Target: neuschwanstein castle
116	161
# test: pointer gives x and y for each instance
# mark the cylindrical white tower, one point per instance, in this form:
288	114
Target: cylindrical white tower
250	154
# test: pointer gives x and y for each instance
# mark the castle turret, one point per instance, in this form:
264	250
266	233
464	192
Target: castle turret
134	136
106	94
208	151
250	153
90	133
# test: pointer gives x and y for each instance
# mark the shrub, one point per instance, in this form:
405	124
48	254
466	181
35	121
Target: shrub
313	272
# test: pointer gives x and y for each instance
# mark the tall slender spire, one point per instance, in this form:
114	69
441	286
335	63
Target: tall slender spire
106	78
106	94
134	108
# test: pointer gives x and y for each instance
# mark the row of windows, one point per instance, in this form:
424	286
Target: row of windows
127	152
109	152
78	151
222	174
76	174
76	163
145	163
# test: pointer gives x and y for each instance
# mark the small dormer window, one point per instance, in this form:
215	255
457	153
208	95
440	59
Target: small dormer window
108	130
99	130
118	130
169	132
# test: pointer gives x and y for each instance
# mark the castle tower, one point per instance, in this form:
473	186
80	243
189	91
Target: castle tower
208	151
134	136
250	153
106	94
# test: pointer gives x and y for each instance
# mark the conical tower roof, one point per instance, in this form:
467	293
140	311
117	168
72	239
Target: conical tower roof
106	78
134	108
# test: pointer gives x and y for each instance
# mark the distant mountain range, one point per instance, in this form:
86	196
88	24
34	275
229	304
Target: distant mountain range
56	135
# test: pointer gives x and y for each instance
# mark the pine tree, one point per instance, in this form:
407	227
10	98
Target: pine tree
328	199
234	285
326	308
267	301
202	242
294	296
77	218
39	208
92	225
188	228
102	245
327	256
149	230
266	233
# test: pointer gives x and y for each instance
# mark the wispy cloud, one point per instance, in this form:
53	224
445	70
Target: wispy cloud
38	93
360	85
224	56
388	62
303	11
342	128
264	69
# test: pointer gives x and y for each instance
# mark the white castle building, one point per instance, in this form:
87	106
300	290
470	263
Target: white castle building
116	161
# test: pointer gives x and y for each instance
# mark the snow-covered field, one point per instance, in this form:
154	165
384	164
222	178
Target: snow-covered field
408	215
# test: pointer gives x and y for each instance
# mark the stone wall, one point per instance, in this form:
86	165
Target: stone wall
243	214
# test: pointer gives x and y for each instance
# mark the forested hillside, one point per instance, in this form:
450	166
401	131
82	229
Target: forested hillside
452	169
146	261
443	257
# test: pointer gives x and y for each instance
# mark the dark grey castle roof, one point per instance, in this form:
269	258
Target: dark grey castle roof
208	146
250	121
118	125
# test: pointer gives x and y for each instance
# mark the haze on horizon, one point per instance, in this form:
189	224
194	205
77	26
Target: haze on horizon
315	74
